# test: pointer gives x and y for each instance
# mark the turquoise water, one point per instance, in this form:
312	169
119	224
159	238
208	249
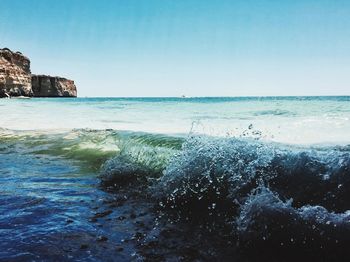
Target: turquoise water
296	120
237	158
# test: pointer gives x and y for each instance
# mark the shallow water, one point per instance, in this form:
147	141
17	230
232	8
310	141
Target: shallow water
296	120
46	201
272	173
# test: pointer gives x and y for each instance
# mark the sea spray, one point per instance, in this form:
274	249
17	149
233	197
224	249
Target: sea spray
288	200
314	177
212	175
271	229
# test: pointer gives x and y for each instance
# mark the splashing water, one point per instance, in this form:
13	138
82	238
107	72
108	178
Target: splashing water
271	174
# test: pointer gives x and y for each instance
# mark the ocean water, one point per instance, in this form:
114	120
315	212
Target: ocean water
295	120
272	173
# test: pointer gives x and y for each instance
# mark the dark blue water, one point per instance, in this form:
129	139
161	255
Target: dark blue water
46	205
244	189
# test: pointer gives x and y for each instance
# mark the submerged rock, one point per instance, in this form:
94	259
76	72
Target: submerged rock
102	239
102	214
84	246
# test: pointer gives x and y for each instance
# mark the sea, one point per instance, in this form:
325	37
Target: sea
147	179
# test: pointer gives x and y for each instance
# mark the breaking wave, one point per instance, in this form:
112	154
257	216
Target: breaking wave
274	199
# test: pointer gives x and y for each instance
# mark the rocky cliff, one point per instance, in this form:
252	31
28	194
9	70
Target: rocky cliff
15	76
50	86
16	79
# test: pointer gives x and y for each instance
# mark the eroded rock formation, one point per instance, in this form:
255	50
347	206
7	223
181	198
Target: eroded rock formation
52	86
15	76
16	79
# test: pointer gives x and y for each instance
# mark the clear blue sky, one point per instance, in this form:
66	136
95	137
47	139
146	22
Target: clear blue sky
175	47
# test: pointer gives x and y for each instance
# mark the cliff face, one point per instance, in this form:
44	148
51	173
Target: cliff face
15	77
50	86
17	80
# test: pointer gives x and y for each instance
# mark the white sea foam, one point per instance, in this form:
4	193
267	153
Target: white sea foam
293	120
